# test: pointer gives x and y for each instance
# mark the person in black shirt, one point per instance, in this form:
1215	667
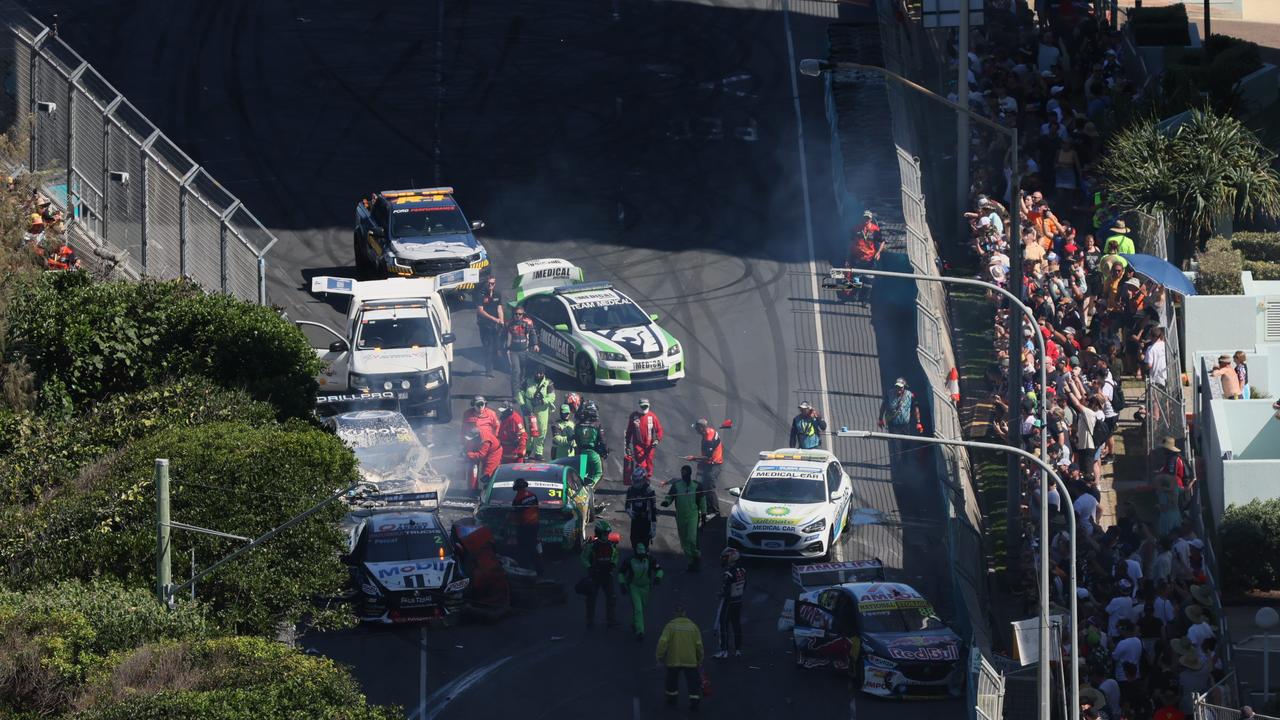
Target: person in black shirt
641	505
492	322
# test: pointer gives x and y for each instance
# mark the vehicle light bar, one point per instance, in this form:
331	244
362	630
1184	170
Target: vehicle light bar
585	287
786	454
422	191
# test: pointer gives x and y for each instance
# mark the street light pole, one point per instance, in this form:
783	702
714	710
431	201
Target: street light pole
1065	494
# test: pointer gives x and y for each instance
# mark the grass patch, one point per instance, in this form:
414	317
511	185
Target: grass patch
972	325
991	475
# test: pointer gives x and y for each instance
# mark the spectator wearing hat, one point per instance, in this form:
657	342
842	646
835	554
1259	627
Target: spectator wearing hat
1119	242
1200	628
1193	678
1227	376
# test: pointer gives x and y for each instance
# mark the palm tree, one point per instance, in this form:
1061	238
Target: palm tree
1208	168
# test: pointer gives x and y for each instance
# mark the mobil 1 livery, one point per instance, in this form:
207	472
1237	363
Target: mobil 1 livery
593	331
402	562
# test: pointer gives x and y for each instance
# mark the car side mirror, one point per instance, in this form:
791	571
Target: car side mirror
653	317
477	224
562	327
837	495
338	346
448	338
736	492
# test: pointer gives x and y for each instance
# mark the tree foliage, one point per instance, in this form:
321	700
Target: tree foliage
39	453
239	678
232	476
100	650
86	340
1251	546
53	638
1209	167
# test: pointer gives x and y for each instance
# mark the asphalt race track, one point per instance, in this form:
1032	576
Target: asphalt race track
653	143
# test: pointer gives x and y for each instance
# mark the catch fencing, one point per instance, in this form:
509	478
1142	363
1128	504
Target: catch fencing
914	123
128	193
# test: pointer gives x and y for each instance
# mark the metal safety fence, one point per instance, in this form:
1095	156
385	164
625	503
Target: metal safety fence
886	42
126	189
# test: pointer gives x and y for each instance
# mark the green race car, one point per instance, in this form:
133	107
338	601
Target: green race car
564	502
592	331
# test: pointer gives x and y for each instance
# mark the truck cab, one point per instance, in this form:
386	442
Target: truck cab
396	345
416	233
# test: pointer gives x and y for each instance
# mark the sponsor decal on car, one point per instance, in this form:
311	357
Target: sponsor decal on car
646	365
410	568
936	653
773	521
595	299
887	605
778	510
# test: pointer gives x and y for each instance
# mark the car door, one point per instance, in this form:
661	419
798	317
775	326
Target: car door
443	326
554	347
336	356
817	630
838	495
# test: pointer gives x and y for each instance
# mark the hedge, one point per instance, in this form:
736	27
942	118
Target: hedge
238	678
53	638
1263	270
1251	546
1257	245
87	340
1219	269
234	477
42	452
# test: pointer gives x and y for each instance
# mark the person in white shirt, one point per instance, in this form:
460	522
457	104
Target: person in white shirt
1162	565
1128	650
1166	610
1201	630
1120	609
1134	573
1088	512
1156	360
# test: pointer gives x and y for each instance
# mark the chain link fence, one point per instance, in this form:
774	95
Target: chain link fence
129	194
916	124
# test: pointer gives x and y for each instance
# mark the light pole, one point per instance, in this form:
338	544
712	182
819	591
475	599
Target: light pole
814	68
1044	558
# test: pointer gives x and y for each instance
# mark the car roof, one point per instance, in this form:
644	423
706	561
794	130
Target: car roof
387	520
881	591
421	197
529	471
798	469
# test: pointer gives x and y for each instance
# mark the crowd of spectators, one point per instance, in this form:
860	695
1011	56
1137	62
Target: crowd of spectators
1146	635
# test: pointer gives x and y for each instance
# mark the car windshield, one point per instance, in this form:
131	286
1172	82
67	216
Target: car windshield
392	333
404	544
902	620
545	481
624	314
784	490
384	459
428	221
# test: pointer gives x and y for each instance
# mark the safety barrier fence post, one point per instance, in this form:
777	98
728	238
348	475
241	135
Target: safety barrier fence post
125	189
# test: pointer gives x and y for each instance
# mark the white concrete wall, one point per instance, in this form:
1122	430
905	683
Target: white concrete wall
1214	442
1217	323
1253	429
1246	480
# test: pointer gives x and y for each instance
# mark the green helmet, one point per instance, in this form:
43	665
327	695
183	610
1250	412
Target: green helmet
565	410
603	527
641	549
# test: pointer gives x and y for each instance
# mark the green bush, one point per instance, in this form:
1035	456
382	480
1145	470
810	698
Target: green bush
1219	273
1251	546
1257	245
1214	69
1217	243
54	637
1156	26
87	340
1263	270
226	679
233	477
41	452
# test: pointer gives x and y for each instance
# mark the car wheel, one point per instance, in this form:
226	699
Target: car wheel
444	410
831	546
360	250
584	371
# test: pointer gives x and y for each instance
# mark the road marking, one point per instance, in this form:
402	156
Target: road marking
422	670
441	698
808	219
